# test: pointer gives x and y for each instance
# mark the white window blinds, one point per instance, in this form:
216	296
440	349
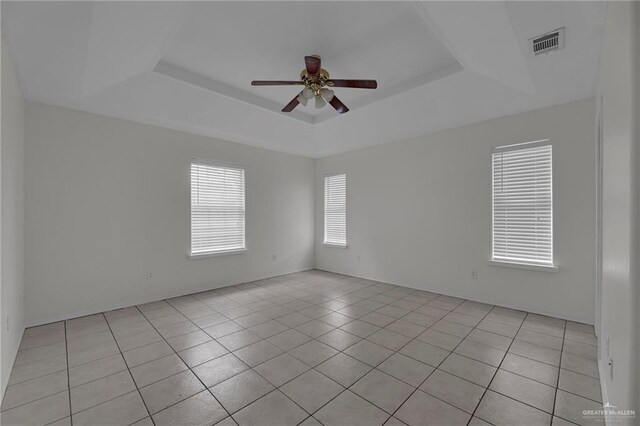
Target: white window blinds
217	208
335	210
522	204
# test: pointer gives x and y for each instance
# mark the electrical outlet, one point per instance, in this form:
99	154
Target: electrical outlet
274	257
149	276
474	274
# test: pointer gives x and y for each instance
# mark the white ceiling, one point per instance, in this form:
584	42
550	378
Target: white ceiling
381	43
188	66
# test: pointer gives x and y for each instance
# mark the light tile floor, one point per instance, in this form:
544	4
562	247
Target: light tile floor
307	348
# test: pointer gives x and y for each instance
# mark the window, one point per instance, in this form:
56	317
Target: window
522	204
335	210
217	208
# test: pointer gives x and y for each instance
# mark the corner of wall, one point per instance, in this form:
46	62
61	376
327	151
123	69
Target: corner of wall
11	218
315	213
637	204
620	87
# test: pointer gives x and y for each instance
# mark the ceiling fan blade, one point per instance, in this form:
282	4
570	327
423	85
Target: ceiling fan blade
274	83
355	84
313	64
338	105
291	105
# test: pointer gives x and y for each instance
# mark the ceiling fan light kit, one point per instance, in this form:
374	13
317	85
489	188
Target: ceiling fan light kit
308	93
302	99
322	96
316	81
327	94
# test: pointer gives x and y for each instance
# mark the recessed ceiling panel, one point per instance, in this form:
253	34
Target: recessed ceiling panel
188	65
234	43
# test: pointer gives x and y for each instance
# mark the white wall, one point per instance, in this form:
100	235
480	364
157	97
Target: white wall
107	200
419	213
11	217
618	87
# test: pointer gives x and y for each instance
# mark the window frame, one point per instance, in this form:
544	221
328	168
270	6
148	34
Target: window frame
523	264
219	164
324	230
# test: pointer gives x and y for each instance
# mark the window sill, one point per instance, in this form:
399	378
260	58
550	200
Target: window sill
529	266
216	253
335	245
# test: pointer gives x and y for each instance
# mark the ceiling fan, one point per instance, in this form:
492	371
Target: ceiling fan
316	82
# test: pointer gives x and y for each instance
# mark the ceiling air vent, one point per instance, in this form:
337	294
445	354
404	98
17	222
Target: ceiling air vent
548	42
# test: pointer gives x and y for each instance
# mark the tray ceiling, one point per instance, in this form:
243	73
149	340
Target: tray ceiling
188	65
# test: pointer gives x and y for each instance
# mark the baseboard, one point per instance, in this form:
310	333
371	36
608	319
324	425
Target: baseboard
461	295
5	380
602	370
208	287
161	296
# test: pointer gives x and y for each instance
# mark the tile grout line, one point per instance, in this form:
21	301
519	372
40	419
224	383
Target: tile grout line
275	388
311	339
287	352
394	353
555	395
345	388
348	388
190	370
109	400
417	388
128	371
555	388
496	372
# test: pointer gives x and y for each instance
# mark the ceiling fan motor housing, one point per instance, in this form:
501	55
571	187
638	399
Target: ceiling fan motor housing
313	82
